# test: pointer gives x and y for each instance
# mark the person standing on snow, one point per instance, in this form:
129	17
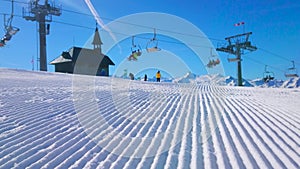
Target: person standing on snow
131	76
158	76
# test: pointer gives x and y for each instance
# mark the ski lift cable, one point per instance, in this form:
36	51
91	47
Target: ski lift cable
278	56
286	59
133	24
74	25
139	37
259	62
109	19
104	18
143	26
292	70
1	13
138	25
86	27
91	28
16	1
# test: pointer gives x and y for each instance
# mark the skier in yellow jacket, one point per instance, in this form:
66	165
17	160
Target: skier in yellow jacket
158	76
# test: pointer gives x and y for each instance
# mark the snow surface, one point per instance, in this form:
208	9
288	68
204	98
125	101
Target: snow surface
49	120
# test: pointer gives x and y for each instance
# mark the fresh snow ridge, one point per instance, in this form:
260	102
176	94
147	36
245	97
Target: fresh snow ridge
49	121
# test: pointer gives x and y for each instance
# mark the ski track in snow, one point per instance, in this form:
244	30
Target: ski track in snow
217	126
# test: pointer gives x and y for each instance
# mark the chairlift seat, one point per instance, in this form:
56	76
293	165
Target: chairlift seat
233	60
154	49
291	75
292	71
12	30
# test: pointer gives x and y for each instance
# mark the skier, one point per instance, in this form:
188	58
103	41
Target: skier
158	76
131	76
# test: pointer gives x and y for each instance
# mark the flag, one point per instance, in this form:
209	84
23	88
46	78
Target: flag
239	24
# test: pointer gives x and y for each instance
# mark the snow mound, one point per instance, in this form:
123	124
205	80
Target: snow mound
187	78
213	79
231	81
270	84
291	83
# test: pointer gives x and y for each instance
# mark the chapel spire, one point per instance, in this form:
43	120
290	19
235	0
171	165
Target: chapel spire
97	40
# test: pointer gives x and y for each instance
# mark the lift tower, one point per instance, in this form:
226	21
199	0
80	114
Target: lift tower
41	13
236	46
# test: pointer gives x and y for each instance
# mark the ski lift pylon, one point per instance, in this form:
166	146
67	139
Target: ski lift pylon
267	75
152	45
292	71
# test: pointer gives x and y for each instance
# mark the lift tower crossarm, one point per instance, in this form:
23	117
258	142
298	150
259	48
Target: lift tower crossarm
236	45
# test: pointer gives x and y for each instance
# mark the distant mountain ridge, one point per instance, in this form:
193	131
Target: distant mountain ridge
217	79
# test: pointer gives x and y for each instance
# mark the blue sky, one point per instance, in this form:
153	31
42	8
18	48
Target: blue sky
275	26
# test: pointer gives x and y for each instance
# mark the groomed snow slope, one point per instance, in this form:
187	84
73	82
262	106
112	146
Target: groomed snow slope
43	124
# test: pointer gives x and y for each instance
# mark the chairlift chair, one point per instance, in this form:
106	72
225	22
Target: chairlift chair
9	29
267	75
152	45
136	48
136	51
292	71
212	62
